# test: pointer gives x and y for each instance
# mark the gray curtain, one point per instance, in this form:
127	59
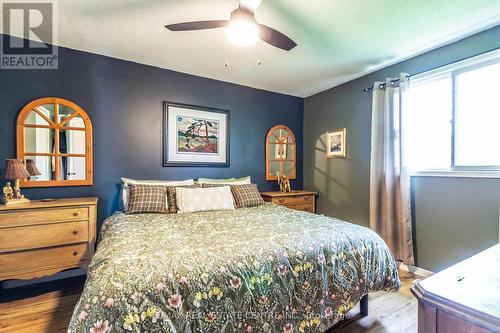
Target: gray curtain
390	202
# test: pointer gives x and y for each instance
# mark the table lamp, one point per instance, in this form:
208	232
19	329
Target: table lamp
15	170
32	169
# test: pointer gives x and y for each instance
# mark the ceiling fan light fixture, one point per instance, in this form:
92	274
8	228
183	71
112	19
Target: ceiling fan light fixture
242	29
242	32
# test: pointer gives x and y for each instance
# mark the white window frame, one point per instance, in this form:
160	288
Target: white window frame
454	69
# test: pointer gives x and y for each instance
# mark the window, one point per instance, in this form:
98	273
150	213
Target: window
451	119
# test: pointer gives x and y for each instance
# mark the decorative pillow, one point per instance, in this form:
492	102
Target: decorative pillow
190	200
146	198
172	197
246	195
213	185
227	181
215	180
126	181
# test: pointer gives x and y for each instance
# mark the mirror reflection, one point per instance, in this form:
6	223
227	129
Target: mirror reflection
69	117
41	115
39	167
72	168
39	140
274	168
43	168
71	142
287	167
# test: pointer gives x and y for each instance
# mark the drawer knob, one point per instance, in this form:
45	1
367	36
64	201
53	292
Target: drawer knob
76	231
306	198
281	200
75	252
76	214
306	208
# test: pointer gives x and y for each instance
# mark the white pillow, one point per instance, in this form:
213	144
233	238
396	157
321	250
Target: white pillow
126	181
190	200
228	181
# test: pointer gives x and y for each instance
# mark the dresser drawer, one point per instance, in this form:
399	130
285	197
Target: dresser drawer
303	199
36	236
17	263
37	216
293	200
306	208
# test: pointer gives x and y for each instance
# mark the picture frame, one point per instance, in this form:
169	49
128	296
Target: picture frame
336	143
195	135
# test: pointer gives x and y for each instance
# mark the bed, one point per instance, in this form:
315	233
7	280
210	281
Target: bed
259	269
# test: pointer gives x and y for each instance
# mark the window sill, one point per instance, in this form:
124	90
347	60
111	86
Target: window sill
456	174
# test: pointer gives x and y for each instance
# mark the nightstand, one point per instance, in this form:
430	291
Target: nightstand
299	200
44	238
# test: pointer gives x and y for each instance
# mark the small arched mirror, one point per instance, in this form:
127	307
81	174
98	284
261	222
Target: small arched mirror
54	138
280	153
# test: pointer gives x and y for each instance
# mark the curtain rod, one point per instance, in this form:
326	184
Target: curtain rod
382	85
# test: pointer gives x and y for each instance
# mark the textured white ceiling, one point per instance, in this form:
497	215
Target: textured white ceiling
338	40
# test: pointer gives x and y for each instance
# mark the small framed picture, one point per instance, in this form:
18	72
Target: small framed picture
336	143
195	135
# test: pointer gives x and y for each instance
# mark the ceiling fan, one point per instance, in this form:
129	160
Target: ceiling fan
242	28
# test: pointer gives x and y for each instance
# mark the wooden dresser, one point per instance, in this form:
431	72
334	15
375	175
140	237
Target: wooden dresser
464	298
299	200
44	238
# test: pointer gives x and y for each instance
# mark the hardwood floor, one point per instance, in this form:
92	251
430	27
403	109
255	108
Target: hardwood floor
49	308
387	312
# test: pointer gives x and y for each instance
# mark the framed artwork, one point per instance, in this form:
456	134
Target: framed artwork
336	143
195	135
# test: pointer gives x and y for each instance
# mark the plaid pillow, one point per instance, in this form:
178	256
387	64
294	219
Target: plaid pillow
214	185
146	198
246	195
172	200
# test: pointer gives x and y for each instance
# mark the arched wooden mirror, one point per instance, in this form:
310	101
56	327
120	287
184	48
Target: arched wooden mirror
54	138
280	153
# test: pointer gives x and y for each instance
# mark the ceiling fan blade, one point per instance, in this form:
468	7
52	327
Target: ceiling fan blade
276	38
197	25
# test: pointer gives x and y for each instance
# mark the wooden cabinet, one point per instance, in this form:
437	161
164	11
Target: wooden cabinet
464	298
299	200
44	238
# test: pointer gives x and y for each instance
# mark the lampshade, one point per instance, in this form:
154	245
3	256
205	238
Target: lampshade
14	169
32	169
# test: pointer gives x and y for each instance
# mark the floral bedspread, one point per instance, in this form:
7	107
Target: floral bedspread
261	269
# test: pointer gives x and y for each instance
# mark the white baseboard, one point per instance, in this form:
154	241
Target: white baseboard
415	270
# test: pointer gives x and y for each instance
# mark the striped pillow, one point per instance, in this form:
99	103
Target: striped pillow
246	195
147	198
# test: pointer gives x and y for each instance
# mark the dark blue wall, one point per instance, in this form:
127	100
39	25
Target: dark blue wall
124	102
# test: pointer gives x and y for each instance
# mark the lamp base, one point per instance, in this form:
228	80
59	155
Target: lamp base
12	202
